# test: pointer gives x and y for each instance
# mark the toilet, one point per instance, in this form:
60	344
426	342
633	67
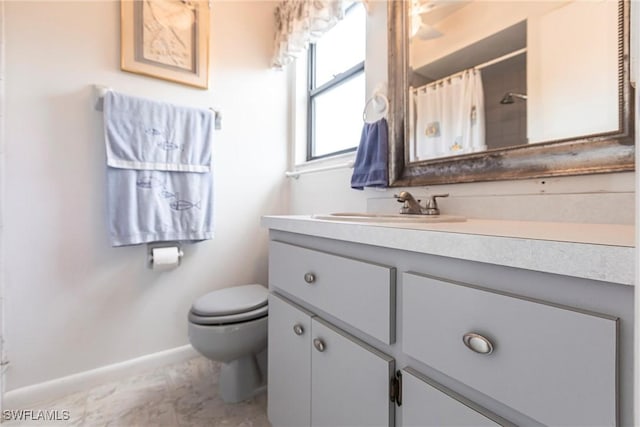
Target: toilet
230	326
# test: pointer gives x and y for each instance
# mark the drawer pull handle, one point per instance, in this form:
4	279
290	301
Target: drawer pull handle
477	343
298	329
319	344
309	278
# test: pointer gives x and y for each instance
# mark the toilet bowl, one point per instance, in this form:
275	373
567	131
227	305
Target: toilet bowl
230	326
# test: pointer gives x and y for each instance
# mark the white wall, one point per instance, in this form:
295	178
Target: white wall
592	198
572	83
72	302
2	201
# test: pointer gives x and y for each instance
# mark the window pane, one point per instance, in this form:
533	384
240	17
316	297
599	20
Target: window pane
343	46
338	117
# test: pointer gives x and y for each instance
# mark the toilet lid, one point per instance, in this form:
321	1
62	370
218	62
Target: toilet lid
228	301
228	319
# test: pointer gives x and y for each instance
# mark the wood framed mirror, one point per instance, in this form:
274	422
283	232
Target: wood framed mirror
577	99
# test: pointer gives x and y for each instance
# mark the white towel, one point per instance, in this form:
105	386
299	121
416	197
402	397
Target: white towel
159	175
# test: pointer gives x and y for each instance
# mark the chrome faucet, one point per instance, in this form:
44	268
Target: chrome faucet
413	207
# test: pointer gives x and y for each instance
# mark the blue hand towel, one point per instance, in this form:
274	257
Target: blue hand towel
159	177
370	168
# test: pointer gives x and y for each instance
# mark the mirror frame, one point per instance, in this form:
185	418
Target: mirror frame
602	153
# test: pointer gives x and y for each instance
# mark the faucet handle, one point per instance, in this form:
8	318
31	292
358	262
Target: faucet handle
432	204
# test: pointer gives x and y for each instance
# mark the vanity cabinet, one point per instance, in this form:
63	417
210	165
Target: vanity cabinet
321	376
401	338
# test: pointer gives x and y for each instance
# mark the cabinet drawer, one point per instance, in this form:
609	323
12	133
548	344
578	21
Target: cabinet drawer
359	293
552	363
426	403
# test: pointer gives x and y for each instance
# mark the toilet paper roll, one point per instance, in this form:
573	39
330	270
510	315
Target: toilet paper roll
165	258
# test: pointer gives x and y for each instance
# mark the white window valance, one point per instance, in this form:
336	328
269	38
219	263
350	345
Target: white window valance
300	22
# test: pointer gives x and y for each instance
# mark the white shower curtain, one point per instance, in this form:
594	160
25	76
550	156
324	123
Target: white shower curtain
450	117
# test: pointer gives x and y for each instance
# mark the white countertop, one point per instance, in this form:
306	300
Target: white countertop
592	251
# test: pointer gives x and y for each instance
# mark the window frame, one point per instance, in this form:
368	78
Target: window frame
313	92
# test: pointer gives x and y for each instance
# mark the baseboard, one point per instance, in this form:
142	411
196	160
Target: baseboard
27	396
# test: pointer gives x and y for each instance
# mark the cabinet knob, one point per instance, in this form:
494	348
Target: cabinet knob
477	343
309	278
298	329
319	344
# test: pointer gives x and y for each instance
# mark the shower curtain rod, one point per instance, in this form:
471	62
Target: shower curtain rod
500	58
477	67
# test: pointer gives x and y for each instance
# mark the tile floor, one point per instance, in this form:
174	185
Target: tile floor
184	394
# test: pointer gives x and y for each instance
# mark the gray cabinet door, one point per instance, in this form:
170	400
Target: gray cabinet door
289	365
350	381
426	403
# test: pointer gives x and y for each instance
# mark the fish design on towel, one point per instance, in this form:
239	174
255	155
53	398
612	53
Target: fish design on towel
146	182
166	143
183	205
170	146
153	132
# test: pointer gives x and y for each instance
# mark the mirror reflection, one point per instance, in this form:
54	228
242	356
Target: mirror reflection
486	75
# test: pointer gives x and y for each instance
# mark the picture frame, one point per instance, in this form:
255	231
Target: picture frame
166	39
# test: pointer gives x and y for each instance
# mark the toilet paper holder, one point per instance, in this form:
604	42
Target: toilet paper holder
159	245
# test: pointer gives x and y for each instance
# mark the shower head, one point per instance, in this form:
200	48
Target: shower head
509	97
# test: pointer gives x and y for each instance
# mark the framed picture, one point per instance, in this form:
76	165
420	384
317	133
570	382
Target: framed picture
167	39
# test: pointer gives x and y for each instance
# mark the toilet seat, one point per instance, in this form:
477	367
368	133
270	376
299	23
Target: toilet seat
228	319
230	305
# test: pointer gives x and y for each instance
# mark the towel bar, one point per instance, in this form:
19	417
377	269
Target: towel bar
100	92
377	95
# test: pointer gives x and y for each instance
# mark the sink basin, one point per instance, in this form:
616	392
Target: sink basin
377	217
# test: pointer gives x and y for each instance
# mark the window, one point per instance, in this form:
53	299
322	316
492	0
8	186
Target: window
336	92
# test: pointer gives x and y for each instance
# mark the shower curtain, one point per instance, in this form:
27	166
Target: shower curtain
450	117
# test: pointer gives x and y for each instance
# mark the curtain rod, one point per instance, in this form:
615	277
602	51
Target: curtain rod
477	67
501	58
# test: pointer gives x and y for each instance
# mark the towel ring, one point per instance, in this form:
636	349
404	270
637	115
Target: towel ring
376	95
